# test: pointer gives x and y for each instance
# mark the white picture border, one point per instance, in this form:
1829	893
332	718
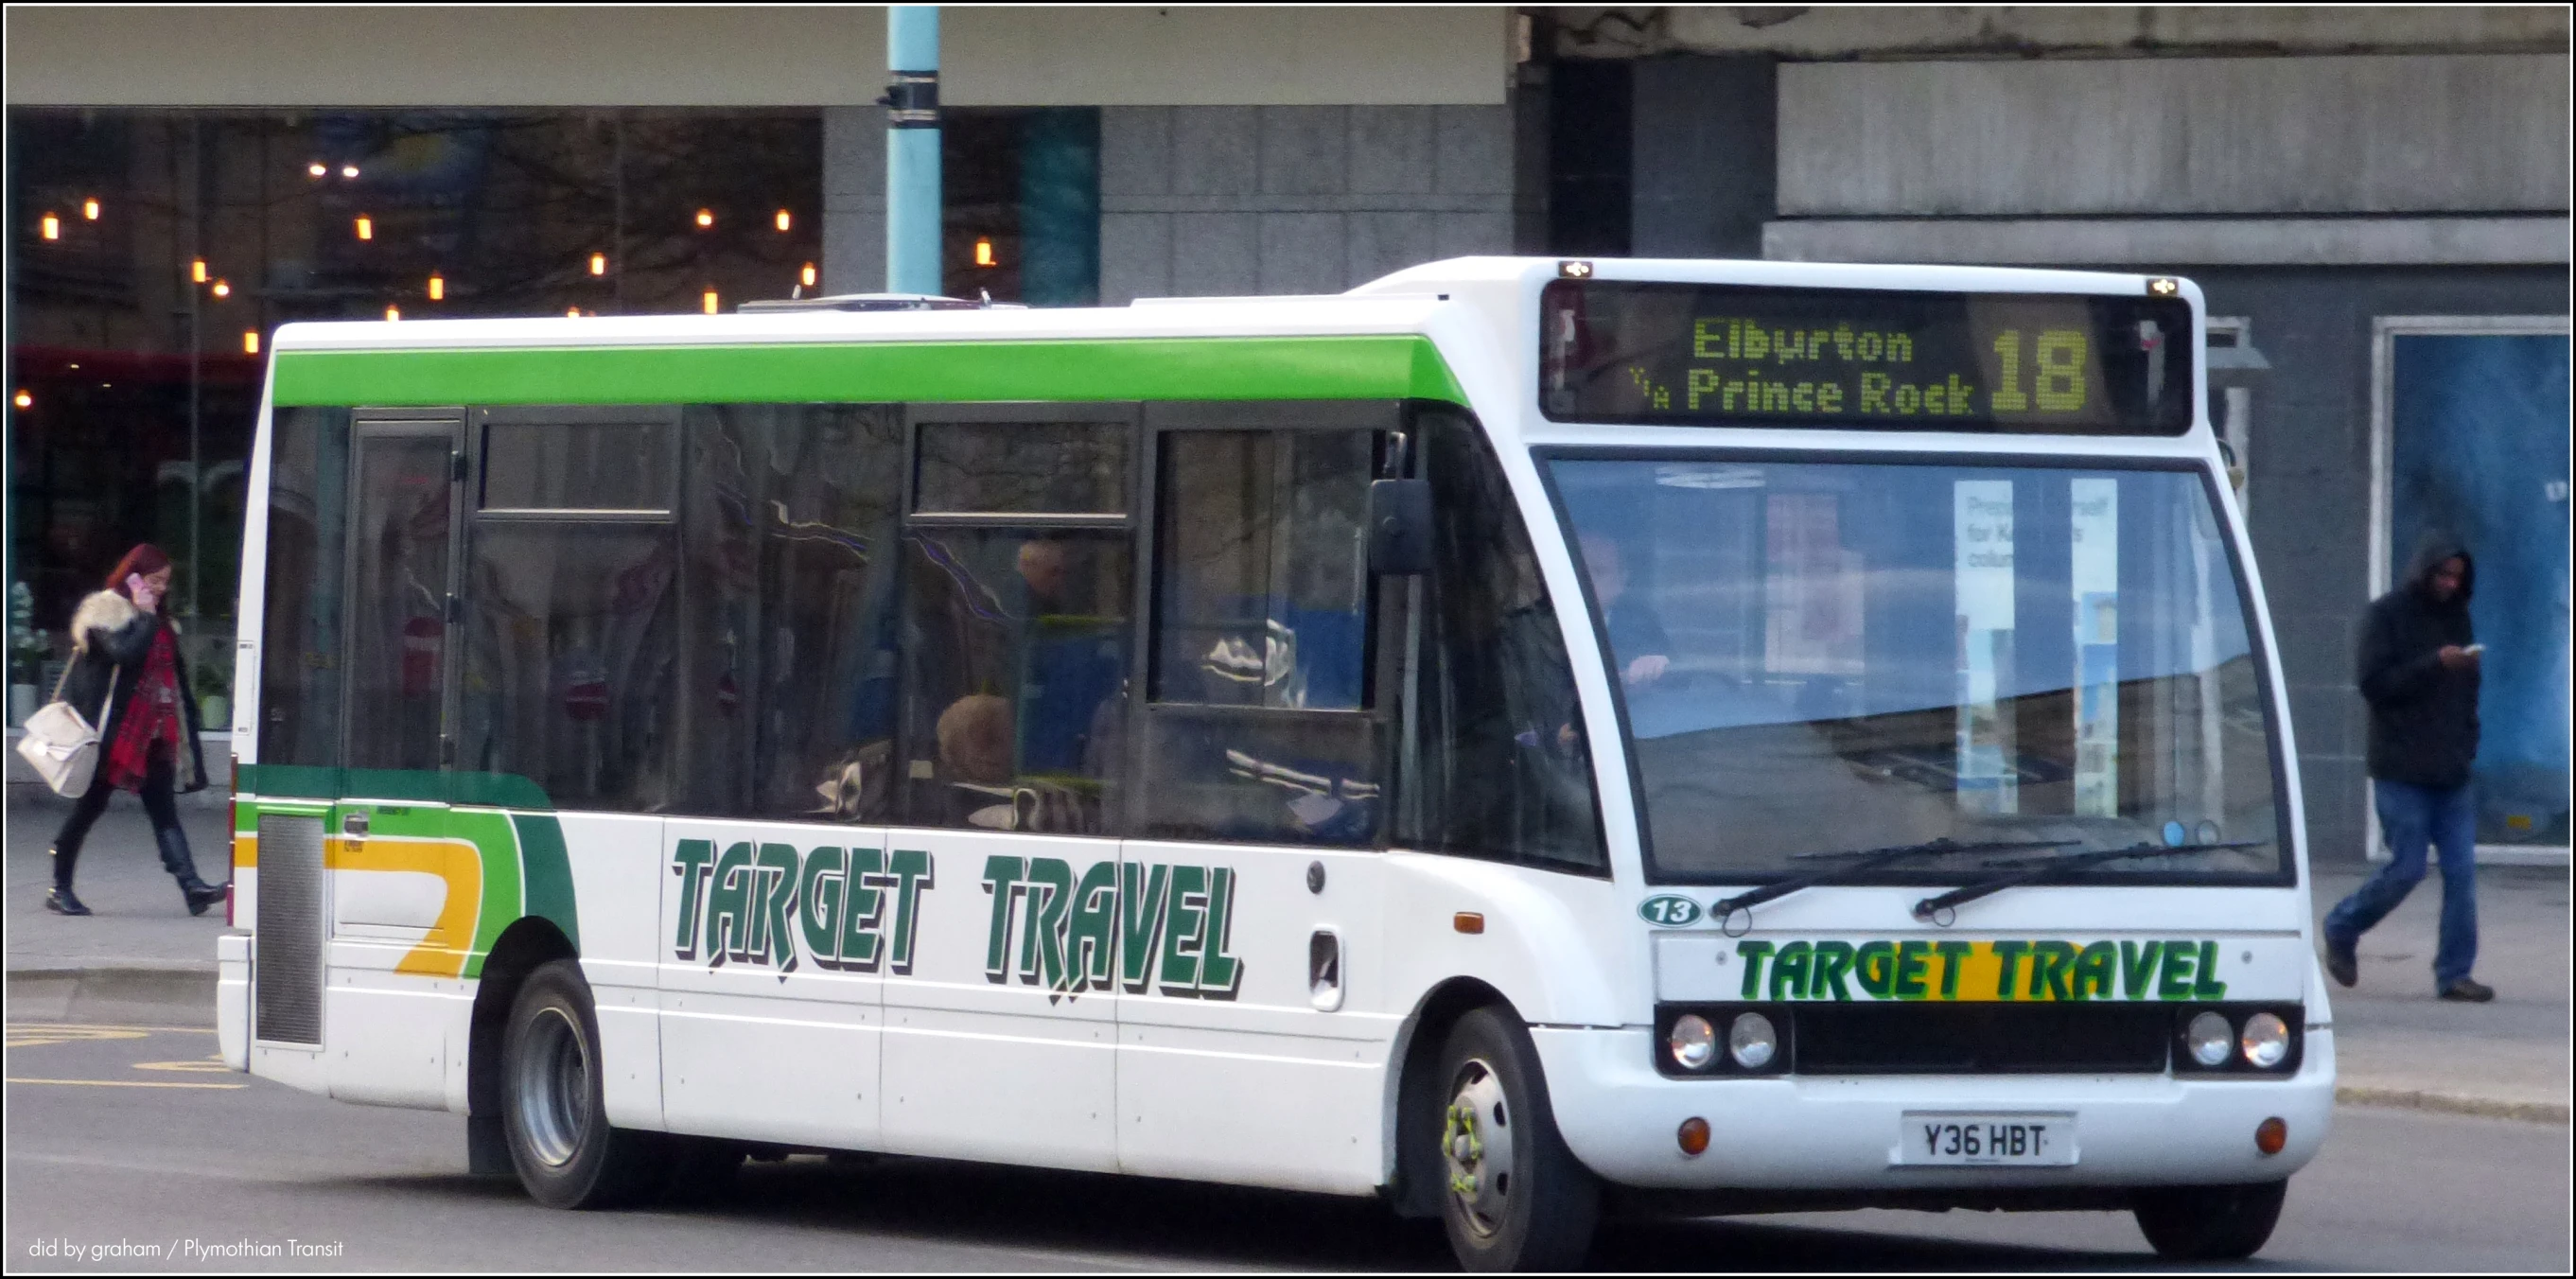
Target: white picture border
2384	332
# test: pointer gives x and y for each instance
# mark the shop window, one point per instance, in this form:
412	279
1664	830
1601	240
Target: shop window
2472	444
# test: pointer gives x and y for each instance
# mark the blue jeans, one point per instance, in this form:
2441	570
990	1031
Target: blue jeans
2411	817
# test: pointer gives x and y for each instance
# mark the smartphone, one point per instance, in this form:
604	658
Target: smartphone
2474	649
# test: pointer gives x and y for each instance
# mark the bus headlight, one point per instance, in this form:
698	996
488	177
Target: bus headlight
2265	1042
1693	1041
1752	1041
2209	1039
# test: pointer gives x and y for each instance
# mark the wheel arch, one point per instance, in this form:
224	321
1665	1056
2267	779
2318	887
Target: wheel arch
1413	1184
527	944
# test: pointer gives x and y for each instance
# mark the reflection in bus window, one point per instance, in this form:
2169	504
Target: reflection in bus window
568	660
1261	640
1262	597
1022	468
398	609
1866	655
1016	648
1500	766
299	680
566	462
788	641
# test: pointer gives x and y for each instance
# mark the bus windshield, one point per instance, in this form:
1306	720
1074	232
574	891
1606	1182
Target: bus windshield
1821	657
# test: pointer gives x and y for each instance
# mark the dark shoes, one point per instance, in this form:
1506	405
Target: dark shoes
201	896
2341	963
61	902
2467	991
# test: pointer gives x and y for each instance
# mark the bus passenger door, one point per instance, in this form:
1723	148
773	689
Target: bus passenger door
1253	1036
404	891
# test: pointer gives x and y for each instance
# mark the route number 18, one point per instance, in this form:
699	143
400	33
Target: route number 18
2061	355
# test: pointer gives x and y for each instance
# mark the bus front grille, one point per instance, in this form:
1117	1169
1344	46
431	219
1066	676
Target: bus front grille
286	971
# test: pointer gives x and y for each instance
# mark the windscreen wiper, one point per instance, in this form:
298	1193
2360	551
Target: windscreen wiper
2033	870
1860	863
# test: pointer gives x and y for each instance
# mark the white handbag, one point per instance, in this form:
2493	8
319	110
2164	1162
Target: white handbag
61	746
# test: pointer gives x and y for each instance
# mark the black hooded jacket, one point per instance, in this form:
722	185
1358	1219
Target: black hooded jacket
111	639
2423	715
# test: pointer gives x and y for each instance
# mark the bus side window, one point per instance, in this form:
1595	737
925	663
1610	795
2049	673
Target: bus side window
1499	764
570	606
787	660
1018	579
1259	725
300	659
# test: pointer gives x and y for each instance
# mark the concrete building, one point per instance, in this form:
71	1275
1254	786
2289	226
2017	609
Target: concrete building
2376	200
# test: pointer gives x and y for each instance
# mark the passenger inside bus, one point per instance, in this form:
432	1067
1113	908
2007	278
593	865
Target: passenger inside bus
1637	637
1023	664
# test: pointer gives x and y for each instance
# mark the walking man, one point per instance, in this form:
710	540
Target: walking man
2418	669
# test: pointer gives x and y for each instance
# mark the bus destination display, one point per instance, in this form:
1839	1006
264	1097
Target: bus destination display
1715	354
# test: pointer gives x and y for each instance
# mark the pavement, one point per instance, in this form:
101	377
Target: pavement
142	959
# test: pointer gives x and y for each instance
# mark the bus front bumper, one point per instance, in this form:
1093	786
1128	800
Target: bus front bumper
1621	1118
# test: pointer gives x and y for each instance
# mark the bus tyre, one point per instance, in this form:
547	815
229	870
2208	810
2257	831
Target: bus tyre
566	1154
2209	1223
1513	1197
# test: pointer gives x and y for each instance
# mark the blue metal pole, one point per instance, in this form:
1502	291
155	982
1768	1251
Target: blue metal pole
912	149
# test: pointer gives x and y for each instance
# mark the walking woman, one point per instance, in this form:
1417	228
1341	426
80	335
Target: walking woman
128	678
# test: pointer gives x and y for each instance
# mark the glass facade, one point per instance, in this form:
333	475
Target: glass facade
154	252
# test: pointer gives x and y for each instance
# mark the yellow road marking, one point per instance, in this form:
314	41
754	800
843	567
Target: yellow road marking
38	1037
121	1083
210	1064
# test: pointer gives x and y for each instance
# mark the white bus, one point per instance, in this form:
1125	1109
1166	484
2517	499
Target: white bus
1521	736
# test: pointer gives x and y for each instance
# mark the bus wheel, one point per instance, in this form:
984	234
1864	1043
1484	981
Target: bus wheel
566	1154
1516	1198
2209	1223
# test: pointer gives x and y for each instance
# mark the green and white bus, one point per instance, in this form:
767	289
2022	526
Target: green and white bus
1521	737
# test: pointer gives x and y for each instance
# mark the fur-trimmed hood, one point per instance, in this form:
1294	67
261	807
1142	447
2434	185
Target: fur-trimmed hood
107	611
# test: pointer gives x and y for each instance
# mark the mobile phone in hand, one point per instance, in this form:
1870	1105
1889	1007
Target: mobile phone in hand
2474	649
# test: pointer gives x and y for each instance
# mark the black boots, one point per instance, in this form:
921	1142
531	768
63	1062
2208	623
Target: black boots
175	859
60	901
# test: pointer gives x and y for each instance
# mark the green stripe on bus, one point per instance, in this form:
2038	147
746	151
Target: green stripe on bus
296	781
1361	367
527	870
546	878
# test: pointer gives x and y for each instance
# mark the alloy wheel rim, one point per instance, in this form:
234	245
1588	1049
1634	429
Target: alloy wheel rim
1476	1148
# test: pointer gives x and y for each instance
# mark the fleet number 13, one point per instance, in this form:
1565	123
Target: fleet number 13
2061	372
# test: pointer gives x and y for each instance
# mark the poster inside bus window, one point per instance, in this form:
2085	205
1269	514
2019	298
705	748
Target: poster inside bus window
1721	354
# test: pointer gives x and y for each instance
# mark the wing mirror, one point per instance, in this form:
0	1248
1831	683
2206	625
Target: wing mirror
1399	515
